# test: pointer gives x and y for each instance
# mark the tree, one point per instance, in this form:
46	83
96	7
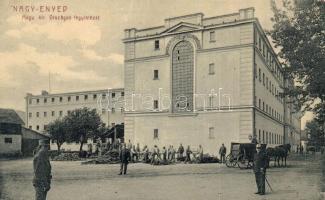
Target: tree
58	132
298	32
315	131
82	124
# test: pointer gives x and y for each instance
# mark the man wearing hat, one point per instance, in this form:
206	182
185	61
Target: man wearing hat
124	158
42	171
259	168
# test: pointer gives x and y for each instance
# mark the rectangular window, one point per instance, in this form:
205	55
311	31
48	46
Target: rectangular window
259	43
53	113
211	68
45	114
86	97
37	127
113	95
155	74
45	100
95	96
211	101
267	137
263	106
30	115
122	94
37	100
156	44
155	134
53	99
211	132
267	81
155	104
259	74
263	139
77	98
103	96
37	114
270	86
259	135
212	36
61	113
259	103
61	99
45	127
69	112
8	140
69	98
263	79
30	127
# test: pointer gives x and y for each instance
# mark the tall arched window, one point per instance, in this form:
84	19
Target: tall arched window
182	77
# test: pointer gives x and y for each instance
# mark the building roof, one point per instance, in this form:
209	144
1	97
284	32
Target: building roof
10	116
43	135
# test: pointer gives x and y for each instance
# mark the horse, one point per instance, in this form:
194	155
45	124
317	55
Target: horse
277	153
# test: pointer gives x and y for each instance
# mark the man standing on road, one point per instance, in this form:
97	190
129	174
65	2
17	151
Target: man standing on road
42	171
124	158
222	152
259	168
180	152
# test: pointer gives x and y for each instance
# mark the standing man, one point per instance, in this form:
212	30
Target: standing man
180	151
124	158
254	140
222	152
42	171
259	168
188	154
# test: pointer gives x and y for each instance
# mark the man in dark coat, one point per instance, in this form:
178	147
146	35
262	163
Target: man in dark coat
124	158
259	168
180	151
42	171
222	152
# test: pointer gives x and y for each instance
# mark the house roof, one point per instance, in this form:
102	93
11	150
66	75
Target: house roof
10	116
35	132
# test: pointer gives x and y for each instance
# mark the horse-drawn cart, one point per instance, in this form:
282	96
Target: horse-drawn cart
241	155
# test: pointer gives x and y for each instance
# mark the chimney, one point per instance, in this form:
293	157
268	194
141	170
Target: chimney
246	13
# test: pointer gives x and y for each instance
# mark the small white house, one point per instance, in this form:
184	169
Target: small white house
10	132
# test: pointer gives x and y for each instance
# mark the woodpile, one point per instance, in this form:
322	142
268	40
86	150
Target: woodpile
67	156
110	157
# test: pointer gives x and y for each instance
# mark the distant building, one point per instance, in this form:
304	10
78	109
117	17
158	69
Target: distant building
197	80
10	132
45	108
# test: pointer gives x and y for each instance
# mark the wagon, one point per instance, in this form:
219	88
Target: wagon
241	155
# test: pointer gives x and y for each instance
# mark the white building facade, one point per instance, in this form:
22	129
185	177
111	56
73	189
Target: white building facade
205	81
45	108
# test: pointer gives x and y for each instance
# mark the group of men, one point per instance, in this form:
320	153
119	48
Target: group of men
42	167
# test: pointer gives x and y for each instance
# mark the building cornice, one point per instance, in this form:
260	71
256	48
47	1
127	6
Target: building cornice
204	28
76	93
198	51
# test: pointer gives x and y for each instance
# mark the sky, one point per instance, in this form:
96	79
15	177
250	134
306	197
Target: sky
64	56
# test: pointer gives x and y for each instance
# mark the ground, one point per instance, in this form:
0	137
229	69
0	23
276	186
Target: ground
71	180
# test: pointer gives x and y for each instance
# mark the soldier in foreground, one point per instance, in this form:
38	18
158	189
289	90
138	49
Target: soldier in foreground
259	168
42	171
124	158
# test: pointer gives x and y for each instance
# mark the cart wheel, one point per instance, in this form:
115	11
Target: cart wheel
230	161
242	162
